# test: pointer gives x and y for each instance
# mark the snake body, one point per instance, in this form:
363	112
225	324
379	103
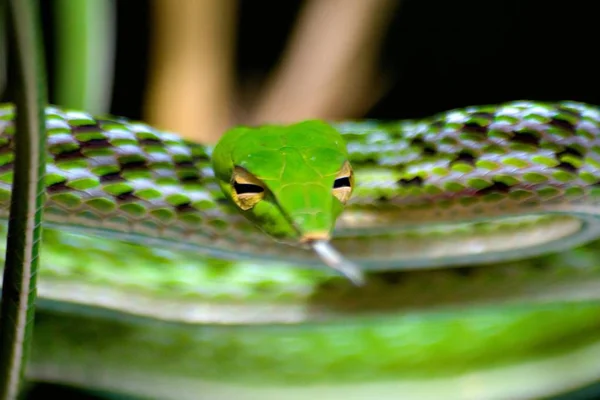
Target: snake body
474	186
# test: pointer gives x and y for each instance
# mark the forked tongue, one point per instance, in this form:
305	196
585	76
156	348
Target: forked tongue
334	259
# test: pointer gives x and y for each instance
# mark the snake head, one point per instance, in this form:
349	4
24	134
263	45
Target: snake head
291	181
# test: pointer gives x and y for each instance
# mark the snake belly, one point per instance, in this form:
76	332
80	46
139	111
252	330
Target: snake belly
152	285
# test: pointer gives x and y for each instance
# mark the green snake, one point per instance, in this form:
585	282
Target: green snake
175	270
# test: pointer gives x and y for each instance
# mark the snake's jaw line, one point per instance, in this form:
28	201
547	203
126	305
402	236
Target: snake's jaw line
334	259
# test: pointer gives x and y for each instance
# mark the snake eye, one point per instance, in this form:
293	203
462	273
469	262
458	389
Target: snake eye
342	186
342	182
248	190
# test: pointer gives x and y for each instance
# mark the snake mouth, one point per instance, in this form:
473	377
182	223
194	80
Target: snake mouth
311	237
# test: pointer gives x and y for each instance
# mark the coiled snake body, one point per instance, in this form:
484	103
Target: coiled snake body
445	216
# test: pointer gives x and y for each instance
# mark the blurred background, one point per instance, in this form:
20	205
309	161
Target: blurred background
197	67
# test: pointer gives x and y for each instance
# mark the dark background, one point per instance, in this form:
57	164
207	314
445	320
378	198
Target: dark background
440	55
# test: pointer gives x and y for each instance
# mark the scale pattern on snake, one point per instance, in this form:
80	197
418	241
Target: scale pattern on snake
125	178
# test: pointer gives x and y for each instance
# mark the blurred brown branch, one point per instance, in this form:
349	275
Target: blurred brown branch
329	69
191	79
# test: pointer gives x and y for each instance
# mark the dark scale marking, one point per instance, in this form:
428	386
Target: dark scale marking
465	157
568	167
190	178
58	187
474	127
429	150
416	181
569	151
149	141
527	137
111	177
568	111
496	187
85	128
578	148
417	142
562	124
185	207
185	163
74	154
126	197
95	144
132	165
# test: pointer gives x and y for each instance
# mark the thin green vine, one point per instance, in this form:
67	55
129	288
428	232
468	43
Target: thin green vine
19	283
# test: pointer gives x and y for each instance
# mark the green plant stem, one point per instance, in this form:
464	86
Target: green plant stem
85	54
19	284
3	55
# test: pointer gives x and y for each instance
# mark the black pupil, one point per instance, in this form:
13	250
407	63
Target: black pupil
247	188
341	182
